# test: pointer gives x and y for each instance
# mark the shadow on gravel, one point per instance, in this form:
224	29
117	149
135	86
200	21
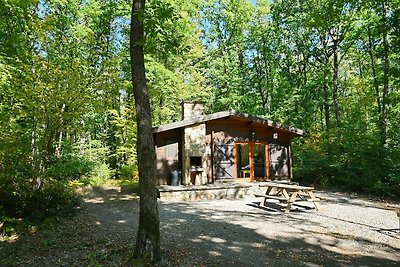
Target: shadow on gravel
218	238
101	234
350	200
391	232
275	208
193	234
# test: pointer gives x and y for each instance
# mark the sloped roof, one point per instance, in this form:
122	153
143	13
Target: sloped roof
226	114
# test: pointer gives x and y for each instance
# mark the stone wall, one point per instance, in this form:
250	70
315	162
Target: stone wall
194	145
192	110
210	192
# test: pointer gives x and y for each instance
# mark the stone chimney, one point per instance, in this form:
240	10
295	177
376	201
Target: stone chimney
192	110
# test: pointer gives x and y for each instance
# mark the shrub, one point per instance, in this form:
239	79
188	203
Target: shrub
342	160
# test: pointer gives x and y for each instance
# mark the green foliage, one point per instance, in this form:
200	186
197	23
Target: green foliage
66	103
20	200
48	80
340	159
129	173
174	58
100	173
70	168
320	66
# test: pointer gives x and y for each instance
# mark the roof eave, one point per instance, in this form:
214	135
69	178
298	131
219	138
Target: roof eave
225	114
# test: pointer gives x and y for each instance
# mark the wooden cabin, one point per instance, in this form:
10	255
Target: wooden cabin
223	146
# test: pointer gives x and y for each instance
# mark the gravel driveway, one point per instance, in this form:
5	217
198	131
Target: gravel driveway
349	231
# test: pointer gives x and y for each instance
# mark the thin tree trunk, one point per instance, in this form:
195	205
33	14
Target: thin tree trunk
321	112
335	38
33	145
325	62
371	52
148	234
258	82
59	144
60	133
385	74
112	140
268	79
326	103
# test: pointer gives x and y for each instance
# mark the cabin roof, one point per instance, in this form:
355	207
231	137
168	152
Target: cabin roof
230	114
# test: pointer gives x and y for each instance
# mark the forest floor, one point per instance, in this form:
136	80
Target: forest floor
348	231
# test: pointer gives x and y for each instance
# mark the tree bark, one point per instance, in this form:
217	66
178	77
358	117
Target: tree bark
371	52
385	92
335	37
148	234
60	133
259	84
326	102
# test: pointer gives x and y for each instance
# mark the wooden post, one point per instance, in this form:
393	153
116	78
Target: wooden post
212	157
267	165
251	160
314	199
290	202
290	162
186	179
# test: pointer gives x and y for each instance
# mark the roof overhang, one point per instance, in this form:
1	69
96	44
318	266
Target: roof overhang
228	114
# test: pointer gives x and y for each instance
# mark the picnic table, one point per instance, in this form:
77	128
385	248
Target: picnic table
289	194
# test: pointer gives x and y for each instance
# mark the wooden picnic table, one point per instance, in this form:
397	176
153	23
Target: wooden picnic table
289	194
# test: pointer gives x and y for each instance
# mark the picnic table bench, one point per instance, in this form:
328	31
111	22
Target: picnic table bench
289	194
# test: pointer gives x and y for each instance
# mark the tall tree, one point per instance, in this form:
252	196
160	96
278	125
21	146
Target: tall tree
148	235
385	73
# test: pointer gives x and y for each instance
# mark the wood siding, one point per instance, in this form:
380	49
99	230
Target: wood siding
218	156
228	132
168	155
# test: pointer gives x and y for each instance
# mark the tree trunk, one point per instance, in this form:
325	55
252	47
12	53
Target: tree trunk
371	52
259	84
148	234
385	74
326	102
335	51
60	133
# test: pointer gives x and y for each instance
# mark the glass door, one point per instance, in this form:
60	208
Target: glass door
251	160
243	160
259	159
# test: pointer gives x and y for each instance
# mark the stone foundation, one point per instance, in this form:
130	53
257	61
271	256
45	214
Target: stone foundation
210	192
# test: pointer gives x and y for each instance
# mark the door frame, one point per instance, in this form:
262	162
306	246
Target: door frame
251	160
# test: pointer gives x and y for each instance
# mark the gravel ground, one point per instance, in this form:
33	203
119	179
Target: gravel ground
348	231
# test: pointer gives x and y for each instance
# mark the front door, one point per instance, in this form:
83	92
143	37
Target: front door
224	161
279	161
251	160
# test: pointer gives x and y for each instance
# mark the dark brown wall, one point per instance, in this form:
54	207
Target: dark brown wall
168	154
227	131
221	136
